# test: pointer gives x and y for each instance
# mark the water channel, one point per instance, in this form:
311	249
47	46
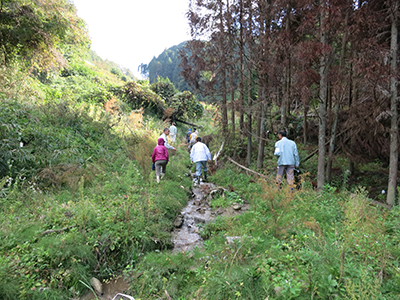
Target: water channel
185	237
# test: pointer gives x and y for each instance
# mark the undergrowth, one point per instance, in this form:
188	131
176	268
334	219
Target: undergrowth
78	199
288	245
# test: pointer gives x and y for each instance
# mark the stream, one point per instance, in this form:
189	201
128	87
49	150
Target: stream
186	236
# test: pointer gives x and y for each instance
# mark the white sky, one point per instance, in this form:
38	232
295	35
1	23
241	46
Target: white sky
131	32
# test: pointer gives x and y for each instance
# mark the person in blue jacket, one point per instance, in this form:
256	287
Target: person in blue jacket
288	158
188	136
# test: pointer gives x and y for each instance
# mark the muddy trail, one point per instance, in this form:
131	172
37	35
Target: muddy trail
185	237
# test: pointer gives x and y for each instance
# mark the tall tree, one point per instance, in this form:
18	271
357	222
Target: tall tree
394	130
340	77
323	88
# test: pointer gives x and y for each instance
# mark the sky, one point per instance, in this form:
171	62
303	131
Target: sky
131	32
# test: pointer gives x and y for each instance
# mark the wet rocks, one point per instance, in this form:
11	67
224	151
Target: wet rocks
199	220
218	212
236	206
216	193
201	210
185	236
178	221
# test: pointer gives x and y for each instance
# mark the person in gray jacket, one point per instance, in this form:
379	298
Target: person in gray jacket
288	158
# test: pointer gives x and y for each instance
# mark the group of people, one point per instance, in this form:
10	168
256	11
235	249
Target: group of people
199	152
285	149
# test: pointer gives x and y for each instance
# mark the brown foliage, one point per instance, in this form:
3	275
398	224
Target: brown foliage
142	152
68	175
111	106
207	139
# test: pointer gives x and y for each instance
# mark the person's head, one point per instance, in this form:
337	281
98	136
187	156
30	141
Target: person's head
190	129
198	139
194	129
281	134
166	130
173	123
161	141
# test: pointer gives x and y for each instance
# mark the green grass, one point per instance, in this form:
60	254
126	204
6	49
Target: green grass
297	245
79	205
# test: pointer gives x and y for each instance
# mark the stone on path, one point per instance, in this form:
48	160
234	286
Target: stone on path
97	286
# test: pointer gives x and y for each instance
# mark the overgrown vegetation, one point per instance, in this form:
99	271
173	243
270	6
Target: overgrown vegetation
79	199
297	245
74	203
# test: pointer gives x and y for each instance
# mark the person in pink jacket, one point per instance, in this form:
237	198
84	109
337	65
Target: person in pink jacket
160	158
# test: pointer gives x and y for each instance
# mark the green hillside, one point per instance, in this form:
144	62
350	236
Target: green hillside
79	199
166	65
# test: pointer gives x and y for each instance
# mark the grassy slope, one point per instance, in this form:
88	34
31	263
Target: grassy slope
82	200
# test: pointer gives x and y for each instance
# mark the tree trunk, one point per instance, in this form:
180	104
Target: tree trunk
332	144
352	99
241	87
394	130
223	69
305	125
322	108
337	104
286	86
232	103
249	120
261	144
285	100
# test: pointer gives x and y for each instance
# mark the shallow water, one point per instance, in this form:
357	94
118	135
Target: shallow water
196	212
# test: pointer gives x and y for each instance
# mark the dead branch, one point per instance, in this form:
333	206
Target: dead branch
167	295
247	169
316	150
376	203
57	230
187	123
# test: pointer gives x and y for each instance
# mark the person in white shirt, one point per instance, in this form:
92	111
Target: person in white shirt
199	155
164	136
172	132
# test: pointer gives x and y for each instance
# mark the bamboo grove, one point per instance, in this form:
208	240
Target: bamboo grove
331	62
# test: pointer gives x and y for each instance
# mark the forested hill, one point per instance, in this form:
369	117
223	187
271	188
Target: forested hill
167	65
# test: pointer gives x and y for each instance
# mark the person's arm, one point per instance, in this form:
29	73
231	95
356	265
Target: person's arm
168	146
153	156
277	151
166	154
296	157
192	153
208	153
